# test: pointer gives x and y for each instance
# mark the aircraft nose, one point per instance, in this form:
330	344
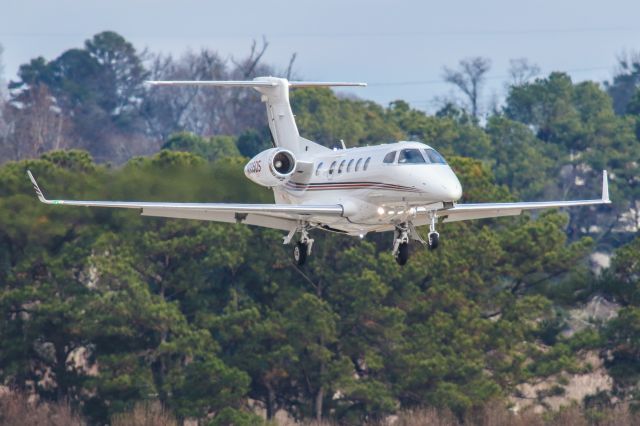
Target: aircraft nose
441	183
451	193
451	188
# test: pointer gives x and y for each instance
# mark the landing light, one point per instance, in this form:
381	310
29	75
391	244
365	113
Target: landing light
380	211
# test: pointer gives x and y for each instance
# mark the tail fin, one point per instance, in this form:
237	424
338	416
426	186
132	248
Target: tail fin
275	94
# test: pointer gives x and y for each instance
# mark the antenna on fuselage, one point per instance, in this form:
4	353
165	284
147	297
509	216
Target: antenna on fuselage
342	143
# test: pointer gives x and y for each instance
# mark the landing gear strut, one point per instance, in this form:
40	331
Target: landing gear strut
401	243
405	232
434	237
302	248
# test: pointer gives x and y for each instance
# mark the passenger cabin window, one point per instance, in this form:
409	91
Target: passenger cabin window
390	157
318	168
358	164
341	166
349	165
434	157
366	163
410	156
332	168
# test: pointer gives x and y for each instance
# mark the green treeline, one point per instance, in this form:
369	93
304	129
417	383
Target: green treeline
106	309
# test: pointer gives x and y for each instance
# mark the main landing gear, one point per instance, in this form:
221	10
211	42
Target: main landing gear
405	232
434	237
302	248
401	243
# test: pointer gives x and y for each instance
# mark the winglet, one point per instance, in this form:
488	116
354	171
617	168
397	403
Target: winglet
605	187
37	188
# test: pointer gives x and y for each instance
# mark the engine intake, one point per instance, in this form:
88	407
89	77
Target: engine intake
271	167
284	163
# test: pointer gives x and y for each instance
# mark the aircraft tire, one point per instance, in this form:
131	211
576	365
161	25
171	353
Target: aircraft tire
300	253
403	254
434	241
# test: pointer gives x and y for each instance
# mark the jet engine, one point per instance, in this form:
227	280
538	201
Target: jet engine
271	167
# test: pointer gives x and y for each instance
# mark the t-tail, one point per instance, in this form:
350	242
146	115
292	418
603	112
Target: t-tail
275	94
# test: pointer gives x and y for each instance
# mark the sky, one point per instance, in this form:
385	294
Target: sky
398	47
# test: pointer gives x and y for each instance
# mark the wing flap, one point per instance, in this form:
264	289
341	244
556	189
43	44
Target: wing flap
228	217
458	216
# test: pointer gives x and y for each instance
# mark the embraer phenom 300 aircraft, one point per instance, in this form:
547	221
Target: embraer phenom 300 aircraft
392	187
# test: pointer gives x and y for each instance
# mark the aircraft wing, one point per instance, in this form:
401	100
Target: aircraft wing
277	216
487	210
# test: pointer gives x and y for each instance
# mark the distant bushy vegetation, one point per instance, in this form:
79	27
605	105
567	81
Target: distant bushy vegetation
16	409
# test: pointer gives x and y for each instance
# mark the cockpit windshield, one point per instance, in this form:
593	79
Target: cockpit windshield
434	157
411	156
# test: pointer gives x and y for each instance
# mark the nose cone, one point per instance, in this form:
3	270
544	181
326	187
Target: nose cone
450	186
439	183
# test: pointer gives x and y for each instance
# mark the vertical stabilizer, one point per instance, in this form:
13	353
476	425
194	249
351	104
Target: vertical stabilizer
281	121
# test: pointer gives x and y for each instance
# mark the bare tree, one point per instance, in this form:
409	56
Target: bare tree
5	124
290	67
521	71
167	110
625	82
3	83
5	149
205	111
1	71
248	65
469	78
38	125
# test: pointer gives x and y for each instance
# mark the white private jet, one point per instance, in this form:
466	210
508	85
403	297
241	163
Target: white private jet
391	187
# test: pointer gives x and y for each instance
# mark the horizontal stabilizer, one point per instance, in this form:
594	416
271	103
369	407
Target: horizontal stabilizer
213	83
325	84
251	83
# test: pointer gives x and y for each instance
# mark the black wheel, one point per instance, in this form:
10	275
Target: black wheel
434	240
403	253
300	253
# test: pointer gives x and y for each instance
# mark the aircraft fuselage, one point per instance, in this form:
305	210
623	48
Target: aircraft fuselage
377	191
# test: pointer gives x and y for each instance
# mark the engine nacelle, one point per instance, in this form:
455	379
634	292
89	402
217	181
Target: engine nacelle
271	167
